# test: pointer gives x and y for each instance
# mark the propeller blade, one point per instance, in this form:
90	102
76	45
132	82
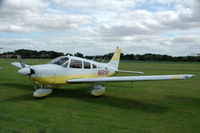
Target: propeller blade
21	62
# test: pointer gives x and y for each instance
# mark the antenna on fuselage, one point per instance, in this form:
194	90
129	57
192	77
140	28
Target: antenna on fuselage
103	60
93	58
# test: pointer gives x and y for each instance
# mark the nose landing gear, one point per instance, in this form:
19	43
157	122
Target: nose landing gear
41	92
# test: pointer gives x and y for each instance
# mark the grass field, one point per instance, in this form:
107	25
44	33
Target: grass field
139	107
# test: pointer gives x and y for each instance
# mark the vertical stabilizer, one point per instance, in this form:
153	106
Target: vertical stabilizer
114	62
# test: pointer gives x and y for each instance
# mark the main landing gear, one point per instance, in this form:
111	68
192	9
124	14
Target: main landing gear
41	92
98	90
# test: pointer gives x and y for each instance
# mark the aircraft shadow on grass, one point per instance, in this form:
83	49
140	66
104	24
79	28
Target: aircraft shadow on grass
114	101
82	93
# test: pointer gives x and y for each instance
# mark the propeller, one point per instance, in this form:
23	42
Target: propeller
25	70
20	61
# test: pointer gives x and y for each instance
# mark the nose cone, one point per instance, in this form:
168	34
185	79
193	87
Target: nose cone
24	71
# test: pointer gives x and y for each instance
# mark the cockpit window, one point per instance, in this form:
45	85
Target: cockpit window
59	61
66	64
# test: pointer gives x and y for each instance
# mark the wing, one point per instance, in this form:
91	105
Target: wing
130	78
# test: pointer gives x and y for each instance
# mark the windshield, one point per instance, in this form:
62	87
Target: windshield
59	61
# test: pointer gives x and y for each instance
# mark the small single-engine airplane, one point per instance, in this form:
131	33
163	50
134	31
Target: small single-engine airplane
70	69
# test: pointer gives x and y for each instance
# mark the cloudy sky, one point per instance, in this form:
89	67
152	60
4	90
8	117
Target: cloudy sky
97	27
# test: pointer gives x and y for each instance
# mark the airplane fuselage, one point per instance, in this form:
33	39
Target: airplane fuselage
54	74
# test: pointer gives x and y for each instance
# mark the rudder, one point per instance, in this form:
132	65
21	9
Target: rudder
114	62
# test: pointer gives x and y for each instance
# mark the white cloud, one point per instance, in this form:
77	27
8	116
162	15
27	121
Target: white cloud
102	25
98	5
23	5
27	16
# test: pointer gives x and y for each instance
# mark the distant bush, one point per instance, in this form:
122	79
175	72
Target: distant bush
33	54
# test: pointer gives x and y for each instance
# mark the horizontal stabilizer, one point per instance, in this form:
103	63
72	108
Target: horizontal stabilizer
130	78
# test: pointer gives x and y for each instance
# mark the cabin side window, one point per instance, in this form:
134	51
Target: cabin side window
75	64
87	65
94	66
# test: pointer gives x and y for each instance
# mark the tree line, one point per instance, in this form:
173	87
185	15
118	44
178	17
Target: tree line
33	54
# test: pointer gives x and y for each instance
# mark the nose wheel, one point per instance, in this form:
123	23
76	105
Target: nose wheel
98	90
40	91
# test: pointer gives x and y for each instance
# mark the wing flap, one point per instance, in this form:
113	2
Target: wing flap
130	78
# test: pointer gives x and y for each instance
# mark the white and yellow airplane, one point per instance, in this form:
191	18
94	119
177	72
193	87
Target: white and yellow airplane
70	69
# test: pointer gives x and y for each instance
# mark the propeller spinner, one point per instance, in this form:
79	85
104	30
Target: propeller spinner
26	71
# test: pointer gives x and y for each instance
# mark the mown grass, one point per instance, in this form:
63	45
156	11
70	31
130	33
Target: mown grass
139	107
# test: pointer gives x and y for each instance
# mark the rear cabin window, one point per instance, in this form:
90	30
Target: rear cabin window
87	65
75	64
94	66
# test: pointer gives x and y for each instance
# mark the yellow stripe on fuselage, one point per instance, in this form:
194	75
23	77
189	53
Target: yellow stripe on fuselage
63	79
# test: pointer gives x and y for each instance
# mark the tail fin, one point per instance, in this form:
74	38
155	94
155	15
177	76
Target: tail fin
114	62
